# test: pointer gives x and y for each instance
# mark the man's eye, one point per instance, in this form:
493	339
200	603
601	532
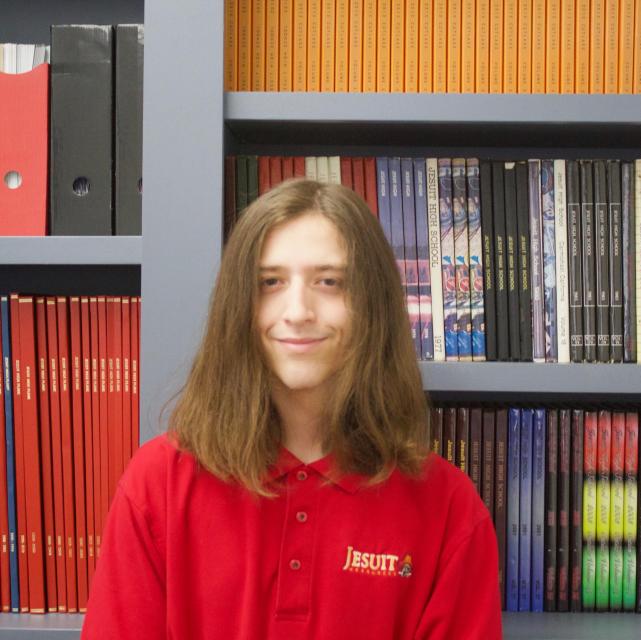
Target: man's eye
331	282
268	282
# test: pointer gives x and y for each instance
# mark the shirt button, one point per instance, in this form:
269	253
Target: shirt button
301	516
301	475
294	565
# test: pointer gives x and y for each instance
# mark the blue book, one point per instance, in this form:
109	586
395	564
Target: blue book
382	183
422	248
409	244
549	261
11	471
536	261
396	209
538	511
525	512
513	476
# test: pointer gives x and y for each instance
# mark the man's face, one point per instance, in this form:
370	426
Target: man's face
302	314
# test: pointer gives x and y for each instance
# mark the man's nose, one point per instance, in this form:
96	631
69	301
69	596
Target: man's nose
298	303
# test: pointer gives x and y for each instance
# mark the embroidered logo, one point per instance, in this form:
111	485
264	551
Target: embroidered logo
377	564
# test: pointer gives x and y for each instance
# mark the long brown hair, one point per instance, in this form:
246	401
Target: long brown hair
377	418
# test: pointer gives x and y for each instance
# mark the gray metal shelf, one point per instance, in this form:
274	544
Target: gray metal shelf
58	626
571	626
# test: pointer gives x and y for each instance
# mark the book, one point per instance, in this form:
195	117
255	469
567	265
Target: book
576	508
500	496
286	48
487	234
616	260
436	430
536	261
328	49
616	510
370	184
551	474
511	253
462	446
513	564
602	254
637	241
553	46
549	261
488	457
603	505
449	434
5	595
383	197
588	264
588	567
561	254
628	240
384	47
525	511
563	506
575	278
523	230
630	510
500	261
538	510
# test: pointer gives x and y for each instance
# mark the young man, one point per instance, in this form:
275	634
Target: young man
293	496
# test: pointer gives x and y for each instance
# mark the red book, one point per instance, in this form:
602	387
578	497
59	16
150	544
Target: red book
590	429
115	428
56	455
95	421
370	185
264	184
120	438
126	379
104	408
346	172
618	444
358	176
275	170
604	444
135	359
88	437
631	465
67	451
288	168
5	592
21	507
47	469
488	460
299	166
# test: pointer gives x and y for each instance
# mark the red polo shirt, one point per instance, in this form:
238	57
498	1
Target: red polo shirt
186	556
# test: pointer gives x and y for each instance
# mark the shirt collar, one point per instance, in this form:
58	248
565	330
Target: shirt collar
324	466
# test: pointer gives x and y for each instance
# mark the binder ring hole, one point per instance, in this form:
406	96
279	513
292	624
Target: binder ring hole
13	179
139	185
81	186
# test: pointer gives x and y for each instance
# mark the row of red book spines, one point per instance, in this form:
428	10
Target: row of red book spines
610	443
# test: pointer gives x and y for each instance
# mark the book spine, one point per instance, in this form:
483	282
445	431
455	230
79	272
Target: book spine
616	510
567	39
258	20
523	230
411	44
346	172
322	170
496	46
513	529
561	253
461	260
370	185
487	235
488	470
616	261
398	242
500	493
426	40
454	47
263	175
482	64
476	448
383	197
510	46
536	265
538	46
449	435
468	38
597	46
626	47
500	257
369	46
602	262
637	241
462	449
538	510
551	475
252	178
244	45
103	401
397	67
314	45
588	262
286	50
341	56
434	229
95	421
611	63
231	44
328	49
563	531
275	170
603	503
383	58
549	261
135	368
272	41
5	595
637	89
582	49
358	176
524	47
511	252
436	430
590	452
439	58
630	510
525	512
553	46
356	45
575	258
628	250
576	510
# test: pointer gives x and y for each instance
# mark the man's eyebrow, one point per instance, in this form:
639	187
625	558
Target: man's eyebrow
315	268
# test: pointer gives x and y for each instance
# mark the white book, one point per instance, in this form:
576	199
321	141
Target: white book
310	168
322	169
1	57
48	54
562	273
434	235
334	170
637	250
24	57
10	52
39	55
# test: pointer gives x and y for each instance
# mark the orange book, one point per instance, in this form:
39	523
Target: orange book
104	408
126	380
56	454
49	539
468	34
553	46
582	48
425	39
597	46
258	48
626	47
5	591
637	47
341	75
397	43
355	75
328	49
496	46
412	26
538	46
300	45
135	358
272	37
64	382
313	45
611	69
95	423
286	50
482	46
18	431
244	46
510	46
120	451
231	42
369	46
384	34
454	46
371	192
524	47
568	46
114	390
440	46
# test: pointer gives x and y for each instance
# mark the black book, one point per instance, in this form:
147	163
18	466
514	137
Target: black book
436	430
588	262
487	230
449	434
523	230
574	262
81	131
241	185
476	448
511	246
602	238
462	455
616	261
252	178
629	253
487	475
128	129
576	507
563	513
230	196
551	472
500	262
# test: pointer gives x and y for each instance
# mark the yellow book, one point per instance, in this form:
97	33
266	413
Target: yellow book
482	46
272	37
626	47
356	45
538	46
468	31
454	46
440	46
231	42
426	40
383	76
597	43
244	45
328	33
616	509
398	46
369	46
300	45
258	44
637	55
582	39
412	26
510	46
341	75
553	46
603	509
286	51
589	509
496	46
524	82
314	45
568	25
611	69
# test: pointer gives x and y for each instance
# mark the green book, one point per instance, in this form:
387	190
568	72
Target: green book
602	575
616	576
629	575
588	585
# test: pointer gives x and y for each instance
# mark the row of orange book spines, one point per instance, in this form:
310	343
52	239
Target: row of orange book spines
511	47
611	441
32	590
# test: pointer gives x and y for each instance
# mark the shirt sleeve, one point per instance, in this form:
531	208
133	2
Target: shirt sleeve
128	597
465	601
